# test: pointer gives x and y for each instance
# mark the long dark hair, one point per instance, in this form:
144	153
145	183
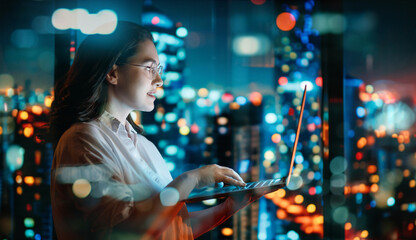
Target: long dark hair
82	95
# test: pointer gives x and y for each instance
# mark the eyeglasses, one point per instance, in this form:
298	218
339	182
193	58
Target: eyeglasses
152	70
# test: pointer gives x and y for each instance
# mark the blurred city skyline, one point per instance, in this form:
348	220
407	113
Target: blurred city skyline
378	42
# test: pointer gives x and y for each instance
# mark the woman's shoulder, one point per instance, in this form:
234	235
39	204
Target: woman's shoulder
90	132
82	129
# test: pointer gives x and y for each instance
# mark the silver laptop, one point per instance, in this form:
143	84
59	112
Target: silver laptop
263	186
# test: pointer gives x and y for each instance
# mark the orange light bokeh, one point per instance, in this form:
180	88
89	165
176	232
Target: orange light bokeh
285	21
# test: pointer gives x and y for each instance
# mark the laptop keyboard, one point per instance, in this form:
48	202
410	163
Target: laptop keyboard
228	189
262	183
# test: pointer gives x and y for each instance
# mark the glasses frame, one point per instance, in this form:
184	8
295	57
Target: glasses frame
158	69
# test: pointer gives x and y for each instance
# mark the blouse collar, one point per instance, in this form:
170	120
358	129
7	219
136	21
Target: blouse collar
114	124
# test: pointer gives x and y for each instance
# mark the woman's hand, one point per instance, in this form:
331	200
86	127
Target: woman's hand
211	174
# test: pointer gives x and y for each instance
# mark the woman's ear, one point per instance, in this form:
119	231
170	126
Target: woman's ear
112	75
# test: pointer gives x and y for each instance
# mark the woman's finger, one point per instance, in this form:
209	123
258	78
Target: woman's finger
231	173
232	181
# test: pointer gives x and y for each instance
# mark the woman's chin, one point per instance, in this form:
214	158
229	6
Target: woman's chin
146	109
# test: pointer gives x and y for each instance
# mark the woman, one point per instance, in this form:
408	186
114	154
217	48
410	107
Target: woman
107	180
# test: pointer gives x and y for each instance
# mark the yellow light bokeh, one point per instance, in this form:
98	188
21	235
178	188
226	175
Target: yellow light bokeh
276	138
362	142
36	109
285	68
374	178
299	199
311	208
281	193
48	101
269	155
19	190
181	122
318	220
209	140
315	106
227	232
347	226
81	188
203	92
293	55
316	149
234	106
19	179
281	214
28	131
295	209
222	121
23	115
374	188
184	130
267	163
364	234
29	180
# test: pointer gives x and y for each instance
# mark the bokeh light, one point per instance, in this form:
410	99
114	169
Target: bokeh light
14	157
81	188
169	196
285	21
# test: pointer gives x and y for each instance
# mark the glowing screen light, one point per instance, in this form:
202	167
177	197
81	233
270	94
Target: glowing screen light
14	157
308	85
285	21
104	22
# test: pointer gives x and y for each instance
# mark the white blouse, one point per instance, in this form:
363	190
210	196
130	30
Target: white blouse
100	168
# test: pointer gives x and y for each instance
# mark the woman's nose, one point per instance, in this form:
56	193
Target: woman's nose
158	80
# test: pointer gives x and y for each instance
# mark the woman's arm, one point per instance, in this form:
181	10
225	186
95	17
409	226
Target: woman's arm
153	220
207	219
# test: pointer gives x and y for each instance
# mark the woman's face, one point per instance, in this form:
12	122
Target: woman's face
135	87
